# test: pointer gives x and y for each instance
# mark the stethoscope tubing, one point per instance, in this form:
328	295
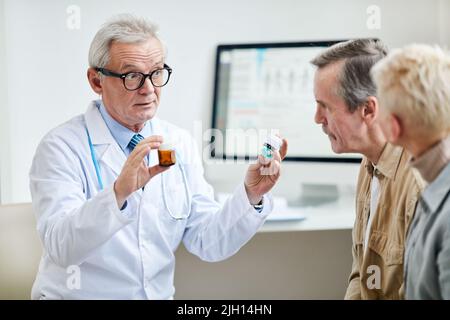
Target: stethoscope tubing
185	182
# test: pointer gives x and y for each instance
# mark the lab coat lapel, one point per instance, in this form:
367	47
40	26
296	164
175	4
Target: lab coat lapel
107	149
114	158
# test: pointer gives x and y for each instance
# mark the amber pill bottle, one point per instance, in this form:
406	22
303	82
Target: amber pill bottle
166	155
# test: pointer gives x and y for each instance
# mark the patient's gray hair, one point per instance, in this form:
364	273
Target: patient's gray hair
359	56
125	28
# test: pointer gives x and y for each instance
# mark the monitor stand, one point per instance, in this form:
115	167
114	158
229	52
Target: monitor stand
316	195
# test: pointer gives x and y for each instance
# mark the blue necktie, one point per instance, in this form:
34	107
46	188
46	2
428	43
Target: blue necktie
134	141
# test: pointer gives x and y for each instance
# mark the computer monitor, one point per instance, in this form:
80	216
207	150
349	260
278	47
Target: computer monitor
267	88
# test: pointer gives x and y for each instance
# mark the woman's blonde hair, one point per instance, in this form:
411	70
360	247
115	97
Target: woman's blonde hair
414	84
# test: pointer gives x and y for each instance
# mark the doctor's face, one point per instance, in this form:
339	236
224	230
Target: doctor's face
132	108
344	128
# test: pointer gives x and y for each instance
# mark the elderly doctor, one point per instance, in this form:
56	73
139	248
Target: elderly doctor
109	217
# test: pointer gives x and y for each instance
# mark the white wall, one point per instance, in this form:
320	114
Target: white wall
444	22
4	115
45	62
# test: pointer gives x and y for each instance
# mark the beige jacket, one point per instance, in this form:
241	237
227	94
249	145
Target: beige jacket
378	272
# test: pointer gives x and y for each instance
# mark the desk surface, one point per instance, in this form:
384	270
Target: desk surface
315	219
335	215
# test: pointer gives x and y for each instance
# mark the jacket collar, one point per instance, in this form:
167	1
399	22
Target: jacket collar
388	163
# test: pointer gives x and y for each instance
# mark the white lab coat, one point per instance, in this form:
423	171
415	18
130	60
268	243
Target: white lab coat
92	250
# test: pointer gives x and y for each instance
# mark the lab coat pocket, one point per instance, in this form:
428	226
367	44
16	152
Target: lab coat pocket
173	214
175	203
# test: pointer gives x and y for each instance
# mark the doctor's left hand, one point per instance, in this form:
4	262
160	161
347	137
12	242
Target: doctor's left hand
262	176
135	173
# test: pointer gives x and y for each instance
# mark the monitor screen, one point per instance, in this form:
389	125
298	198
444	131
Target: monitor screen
263	89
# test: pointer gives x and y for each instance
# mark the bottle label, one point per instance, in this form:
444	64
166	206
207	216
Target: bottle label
267	152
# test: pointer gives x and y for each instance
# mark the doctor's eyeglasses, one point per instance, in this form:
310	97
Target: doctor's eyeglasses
135	80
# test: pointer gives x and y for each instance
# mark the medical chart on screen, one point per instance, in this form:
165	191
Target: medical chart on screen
272	89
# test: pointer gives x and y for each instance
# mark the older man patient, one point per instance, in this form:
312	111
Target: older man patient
387	189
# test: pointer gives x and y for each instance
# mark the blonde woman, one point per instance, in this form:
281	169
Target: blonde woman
414	93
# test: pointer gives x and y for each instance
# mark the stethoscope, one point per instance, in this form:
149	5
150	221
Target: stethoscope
179	216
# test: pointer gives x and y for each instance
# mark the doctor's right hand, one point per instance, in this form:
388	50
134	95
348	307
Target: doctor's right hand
135	172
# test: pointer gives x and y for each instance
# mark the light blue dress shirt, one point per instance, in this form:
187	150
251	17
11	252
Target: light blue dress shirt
427	254
122	134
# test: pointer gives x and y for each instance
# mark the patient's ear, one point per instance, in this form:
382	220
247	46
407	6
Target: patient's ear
370	110
94	80
396	129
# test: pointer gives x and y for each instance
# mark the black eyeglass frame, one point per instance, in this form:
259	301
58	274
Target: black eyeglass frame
122	76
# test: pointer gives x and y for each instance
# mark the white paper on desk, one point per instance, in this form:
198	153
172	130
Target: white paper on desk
285	215
281	210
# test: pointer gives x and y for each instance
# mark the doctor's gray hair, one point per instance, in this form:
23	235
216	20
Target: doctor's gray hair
124	28
358	56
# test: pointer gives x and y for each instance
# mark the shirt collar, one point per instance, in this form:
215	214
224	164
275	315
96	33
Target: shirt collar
431	163
388	163
121	134
434	194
